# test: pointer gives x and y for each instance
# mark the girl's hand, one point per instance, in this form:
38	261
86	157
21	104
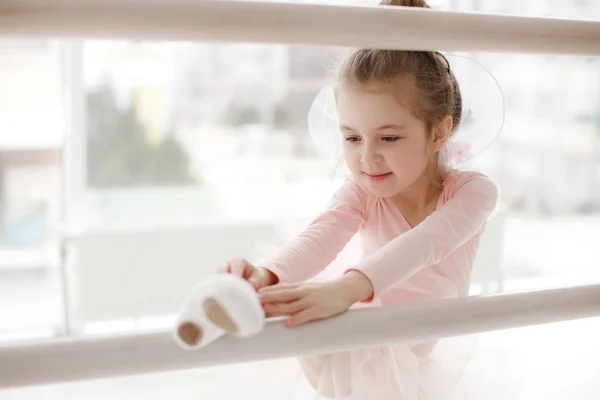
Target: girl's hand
257	277
307	302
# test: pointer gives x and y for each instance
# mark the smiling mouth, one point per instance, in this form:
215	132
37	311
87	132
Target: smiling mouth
376	175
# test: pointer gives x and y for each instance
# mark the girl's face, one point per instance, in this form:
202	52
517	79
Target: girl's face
386	147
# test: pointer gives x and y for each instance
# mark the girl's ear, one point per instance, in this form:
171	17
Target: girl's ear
441	132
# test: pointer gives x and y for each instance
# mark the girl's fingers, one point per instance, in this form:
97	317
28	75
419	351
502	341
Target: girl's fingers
223	269
238	267
255	281
281	309
280	296
304	316
278	287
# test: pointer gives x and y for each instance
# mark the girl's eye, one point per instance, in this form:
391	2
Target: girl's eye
390	138
352	139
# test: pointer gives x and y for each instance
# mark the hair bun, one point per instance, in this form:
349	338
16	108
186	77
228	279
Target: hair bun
405	3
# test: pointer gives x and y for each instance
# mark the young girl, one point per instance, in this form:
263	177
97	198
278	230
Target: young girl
419	220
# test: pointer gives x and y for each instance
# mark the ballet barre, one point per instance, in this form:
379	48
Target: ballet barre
73	359
289	23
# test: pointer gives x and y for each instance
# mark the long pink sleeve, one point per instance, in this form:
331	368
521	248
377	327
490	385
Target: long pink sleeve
444	231
319	244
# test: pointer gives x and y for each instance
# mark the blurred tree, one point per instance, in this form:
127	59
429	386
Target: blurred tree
239	115
119	152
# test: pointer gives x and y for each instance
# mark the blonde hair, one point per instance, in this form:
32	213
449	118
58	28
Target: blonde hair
426	75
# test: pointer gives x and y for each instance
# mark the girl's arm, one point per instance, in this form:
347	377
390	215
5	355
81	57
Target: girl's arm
439	235
319	244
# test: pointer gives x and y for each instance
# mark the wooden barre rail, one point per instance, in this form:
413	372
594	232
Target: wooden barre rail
72	359
289	23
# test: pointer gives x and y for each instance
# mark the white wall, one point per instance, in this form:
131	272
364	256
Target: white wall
120	275
117	275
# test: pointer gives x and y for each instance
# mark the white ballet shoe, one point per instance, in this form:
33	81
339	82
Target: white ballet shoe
234	306
221	304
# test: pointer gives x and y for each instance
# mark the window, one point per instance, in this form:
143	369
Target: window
179	140
31	143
